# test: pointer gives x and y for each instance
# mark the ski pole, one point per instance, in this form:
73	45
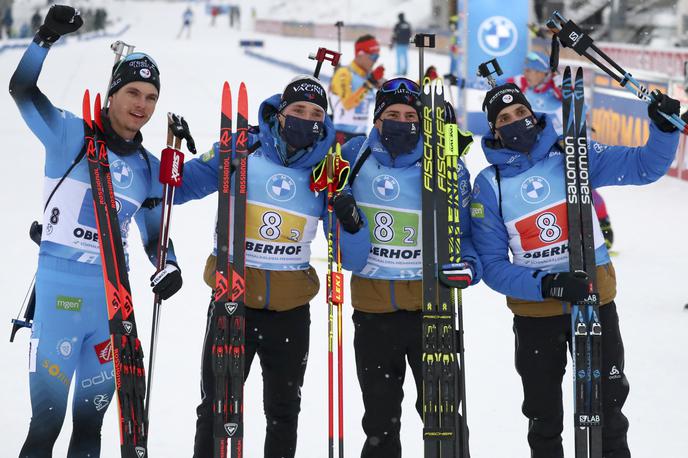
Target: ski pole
171	167
322	55
339	25
422	41
120	49
331	175
572	36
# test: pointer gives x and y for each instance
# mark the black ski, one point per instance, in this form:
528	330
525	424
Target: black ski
441	432
586	331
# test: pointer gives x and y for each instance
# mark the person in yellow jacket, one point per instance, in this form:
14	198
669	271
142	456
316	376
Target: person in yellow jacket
352	90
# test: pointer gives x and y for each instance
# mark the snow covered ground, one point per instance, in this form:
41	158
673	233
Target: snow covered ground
650	226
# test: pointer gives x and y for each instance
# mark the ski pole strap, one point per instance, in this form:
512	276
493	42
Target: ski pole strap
77	159
340	174
358	165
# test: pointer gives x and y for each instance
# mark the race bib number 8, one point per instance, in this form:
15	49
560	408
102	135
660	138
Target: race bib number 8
392	227
268	224
543	228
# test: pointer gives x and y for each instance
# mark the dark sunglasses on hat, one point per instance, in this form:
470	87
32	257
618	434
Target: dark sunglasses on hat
395	83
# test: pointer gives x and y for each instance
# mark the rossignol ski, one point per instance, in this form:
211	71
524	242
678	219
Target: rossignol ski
586	330
440	246
228	321
127	353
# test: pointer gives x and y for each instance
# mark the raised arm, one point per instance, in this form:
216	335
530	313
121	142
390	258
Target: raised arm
44	120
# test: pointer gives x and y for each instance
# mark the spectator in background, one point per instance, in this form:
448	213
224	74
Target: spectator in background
540	88
352	90
187	19
7	22
214	11
36	20
400	39
234	16
603	216
100	18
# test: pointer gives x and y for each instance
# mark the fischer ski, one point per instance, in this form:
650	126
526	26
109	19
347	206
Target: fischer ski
127	352
228	320
586	329
443	433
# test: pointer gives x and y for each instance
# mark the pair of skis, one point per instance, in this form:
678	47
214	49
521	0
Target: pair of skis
586	329
127	352
444	434
227	325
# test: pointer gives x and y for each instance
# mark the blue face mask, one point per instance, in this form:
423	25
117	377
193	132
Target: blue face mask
300	133
520	135
399	137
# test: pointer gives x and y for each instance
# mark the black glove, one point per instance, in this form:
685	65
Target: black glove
60	20
665	104
568	286
347	212
607	231
167	281
180	129
457	275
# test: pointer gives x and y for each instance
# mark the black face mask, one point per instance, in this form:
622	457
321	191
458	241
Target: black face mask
300	133
399	137
520	135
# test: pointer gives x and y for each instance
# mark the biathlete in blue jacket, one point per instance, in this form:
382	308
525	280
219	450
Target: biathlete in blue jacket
386	292
519	207
70	329
282	214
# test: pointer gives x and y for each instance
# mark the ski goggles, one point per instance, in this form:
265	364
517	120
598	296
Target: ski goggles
395	83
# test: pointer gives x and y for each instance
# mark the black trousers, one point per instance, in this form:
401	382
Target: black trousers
384	343
280	339
541	354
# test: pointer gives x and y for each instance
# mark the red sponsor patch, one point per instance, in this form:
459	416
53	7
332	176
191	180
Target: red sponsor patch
544	228
104	351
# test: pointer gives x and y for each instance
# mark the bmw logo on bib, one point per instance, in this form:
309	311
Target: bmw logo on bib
497	36
281	187
386	187
122	175
535	190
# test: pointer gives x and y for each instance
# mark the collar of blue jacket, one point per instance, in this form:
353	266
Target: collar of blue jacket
511	163
274	147
383	157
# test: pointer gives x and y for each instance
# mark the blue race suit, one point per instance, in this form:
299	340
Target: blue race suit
70	332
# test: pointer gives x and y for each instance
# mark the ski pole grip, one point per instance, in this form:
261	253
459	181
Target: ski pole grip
171	167
325	54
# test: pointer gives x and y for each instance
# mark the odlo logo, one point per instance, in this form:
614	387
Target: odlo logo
614	374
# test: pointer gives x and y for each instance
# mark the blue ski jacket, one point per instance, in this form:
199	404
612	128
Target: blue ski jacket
519	204
69	228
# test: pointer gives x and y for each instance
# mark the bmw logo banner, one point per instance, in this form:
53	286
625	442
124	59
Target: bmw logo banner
493	32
